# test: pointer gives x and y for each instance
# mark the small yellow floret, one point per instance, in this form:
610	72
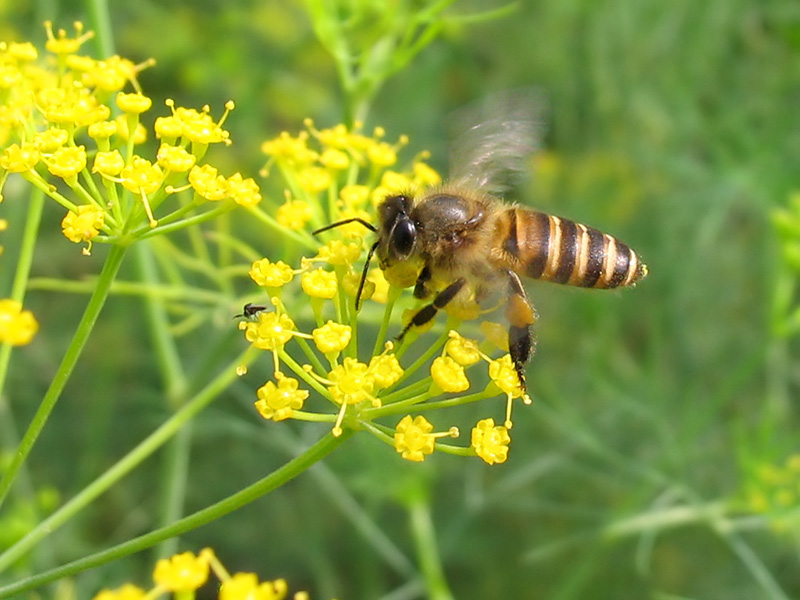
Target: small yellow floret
336	252
182	572
385	369
279	402
17	326
50	140
245	586
108	163
245	192
352	383
20	158
332	337
270	332
413	438
294	214
314	179
84	224
449	375
490	441
271	275
175	158
462	350
134	103
503	374
208	183
141	176
67	161
125	592
335	159
319	283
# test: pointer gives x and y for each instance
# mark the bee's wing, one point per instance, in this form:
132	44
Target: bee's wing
493	141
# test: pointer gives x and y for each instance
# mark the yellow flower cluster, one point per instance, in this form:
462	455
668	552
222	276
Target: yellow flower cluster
774	491
333	175
183	574
56	124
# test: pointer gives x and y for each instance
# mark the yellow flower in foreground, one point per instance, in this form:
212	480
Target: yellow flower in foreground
182	572
245	586
279	402
17	326
490	441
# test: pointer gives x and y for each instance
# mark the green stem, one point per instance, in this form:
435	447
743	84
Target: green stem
427	551
289	471
101	24
62	375
22	273
175	467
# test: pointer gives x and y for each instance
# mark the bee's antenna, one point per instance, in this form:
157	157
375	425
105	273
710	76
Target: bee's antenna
366	224
364	272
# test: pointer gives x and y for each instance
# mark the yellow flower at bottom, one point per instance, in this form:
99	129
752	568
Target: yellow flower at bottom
413	438
279	402
490	441
182	572
245	586
17	326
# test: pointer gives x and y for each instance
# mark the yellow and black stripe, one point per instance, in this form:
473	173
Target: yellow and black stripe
562	251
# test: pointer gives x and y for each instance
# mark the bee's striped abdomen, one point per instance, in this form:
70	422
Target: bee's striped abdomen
563	251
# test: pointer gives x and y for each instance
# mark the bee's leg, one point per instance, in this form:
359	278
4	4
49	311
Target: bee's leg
427	312
521	317
420	289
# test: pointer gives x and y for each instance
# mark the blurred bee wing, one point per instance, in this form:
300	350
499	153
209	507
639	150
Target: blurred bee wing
493	141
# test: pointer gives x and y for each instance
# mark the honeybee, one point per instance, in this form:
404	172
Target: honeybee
470	243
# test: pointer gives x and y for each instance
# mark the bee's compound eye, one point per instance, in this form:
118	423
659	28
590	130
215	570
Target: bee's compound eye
402	238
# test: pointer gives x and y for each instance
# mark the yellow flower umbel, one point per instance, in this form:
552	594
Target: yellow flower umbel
183	574
341	174
56	126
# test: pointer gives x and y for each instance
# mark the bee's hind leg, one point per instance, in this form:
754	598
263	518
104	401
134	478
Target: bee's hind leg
521	316
427	312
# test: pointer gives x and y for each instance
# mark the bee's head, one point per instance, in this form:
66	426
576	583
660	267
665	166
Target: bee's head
398	231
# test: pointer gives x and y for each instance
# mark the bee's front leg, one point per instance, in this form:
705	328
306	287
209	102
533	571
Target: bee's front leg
427	312
420	288
521	316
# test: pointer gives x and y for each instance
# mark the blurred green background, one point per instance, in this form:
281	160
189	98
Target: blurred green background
674	126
